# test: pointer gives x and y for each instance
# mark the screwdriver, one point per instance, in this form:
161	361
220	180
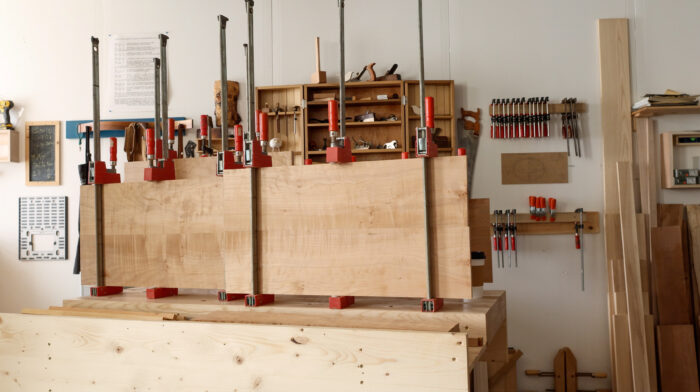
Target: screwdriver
552	208
533	207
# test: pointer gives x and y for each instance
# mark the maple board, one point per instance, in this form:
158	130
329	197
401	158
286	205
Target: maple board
353	229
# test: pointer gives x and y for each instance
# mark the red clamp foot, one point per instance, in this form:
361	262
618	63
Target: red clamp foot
431	305
225	297
101	291
254	300
339	154
341	302
160	292
103	176
167	172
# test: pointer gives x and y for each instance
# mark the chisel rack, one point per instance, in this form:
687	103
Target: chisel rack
563	224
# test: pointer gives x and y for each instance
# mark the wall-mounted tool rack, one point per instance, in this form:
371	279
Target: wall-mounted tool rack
554	108
563	223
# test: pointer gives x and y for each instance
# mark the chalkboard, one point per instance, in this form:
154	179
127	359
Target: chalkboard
42	152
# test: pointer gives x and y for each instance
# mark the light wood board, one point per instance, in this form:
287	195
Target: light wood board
184	169
678	368
481	317
156	234
43	353
635	302
534	168
353	229
613	44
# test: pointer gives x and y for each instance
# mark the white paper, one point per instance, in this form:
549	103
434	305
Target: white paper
131	72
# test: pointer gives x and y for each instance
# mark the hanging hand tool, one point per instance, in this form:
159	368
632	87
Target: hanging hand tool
318	76
579	243
493	115
296	109
340	149
575	127
507	239
514	235
277	118
495	237
533	207
84	168
5	107
546	117
204	135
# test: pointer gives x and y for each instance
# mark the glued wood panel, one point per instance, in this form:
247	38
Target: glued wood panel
184	169
156	234
351	229
43	353
635	302
534	168
678	368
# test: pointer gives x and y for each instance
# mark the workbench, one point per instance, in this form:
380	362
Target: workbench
195	342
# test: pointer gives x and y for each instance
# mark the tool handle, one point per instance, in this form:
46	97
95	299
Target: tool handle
532	372
258	123
512	242
429	112
318	55
150	142
238	134
204	125
333	115
113	149
506	241
495	242
263	126
578	240
171	129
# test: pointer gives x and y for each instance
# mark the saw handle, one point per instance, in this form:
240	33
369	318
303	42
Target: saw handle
333	115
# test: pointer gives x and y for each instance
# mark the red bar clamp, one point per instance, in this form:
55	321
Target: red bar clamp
254	154
254	300
160	292
101	291
341	302
227	297
425	147
431	305
152	172
340	150
99	174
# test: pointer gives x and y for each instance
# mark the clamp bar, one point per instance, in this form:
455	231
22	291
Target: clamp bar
250	71
341	8
164	96
99	240
224	85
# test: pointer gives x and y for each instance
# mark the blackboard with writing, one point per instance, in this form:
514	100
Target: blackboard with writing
41	153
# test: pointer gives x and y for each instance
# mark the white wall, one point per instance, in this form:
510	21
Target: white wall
490	48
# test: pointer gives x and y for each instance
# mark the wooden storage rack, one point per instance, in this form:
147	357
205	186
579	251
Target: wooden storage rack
669	144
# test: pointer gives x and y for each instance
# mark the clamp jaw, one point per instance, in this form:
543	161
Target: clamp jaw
254	150
425	147
340	150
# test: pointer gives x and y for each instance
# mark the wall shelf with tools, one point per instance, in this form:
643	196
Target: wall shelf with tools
374	118
443	91
563	223
286	117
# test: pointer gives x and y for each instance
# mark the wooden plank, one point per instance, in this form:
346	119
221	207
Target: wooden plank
156	234
653	376
482	317
671	275
622	367
327	320
678	368
694	229
480	236
635	303
39	352
513	356
613	44
534	168
670	215
655	111
122	315
351	229
481	377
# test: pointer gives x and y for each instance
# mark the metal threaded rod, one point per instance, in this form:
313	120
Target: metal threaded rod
341	6
224	83
164	96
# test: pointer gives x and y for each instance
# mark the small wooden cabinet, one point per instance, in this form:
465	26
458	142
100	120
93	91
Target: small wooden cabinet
680	150
391	102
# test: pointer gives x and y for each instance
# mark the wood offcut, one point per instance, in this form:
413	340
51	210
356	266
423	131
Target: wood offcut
534	168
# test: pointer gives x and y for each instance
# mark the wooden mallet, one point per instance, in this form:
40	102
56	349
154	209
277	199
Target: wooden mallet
318	76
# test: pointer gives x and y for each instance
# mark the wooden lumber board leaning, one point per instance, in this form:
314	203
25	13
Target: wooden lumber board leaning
350	229
156	234
534	168
35	352
481	317
613	40
480	235
678	370
672	275
635	301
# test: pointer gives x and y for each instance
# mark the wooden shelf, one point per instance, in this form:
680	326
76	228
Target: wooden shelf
654	111
368	151
393	101
358	124
437	117
441	149
689	186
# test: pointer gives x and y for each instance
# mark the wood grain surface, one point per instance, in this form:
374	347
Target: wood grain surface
534	168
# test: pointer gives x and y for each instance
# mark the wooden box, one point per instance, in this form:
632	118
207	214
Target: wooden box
672	146
9	146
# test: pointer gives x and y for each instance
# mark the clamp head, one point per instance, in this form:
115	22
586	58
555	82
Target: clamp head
156	62
163	39
95	41
222	21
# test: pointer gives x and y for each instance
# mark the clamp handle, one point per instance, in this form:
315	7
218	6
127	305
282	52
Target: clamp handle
429	112
333	115
113	150
204	125
262	123
150	142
